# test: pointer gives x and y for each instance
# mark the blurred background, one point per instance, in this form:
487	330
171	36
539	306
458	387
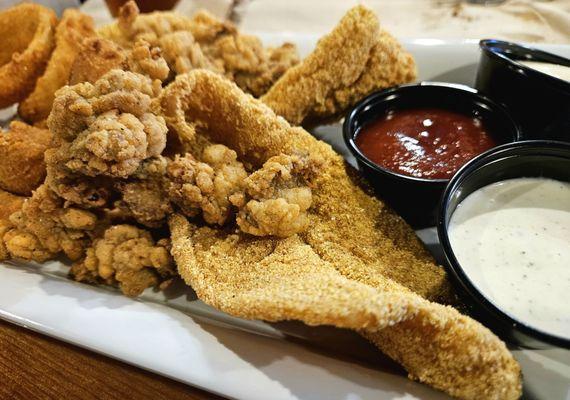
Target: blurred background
538	21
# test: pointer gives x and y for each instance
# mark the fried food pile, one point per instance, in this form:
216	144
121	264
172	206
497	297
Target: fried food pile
160	161
204	42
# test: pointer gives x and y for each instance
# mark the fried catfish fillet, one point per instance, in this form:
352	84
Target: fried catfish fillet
27	42
73	28
355	59
357	266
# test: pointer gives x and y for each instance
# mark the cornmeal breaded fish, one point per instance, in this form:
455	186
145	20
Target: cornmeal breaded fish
355	59
357	266
69	34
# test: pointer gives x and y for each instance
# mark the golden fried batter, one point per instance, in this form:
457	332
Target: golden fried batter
357	266
143	196
44	228
76	107
9	204
278	197
22	167
147	60
204	42
127	256
115	144
280	60
355	59
76	189
97	57
106	127
27	42
209	187
70	32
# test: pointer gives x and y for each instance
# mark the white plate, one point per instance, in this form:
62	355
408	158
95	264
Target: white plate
176	335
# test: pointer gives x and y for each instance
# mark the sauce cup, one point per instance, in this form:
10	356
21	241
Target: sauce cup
524	159
538	101
416	199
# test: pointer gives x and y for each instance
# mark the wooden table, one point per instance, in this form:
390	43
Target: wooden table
33	366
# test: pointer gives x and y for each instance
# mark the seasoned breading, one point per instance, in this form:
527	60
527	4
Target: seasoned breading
44	228
357	266
107	128
76	189
127	256
355	59
76	107
184	54
208	188
280	59
143	196
9	204
203	41
22	167
147	60
73	28
278	197
97	57
27	32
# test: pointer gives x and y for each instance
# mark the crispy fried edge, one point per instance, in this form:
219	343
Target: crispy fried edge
436	344
18	77
353	60
73	28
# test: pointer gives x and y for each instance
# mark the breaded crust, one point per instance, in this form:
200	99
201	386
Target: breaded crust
97	57
22	166
23	56
355	59
9	203
358	265
73	28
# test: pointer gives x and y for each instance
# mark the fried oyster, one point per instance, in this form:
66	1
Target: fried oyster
107	128
278	197
204	42
127	256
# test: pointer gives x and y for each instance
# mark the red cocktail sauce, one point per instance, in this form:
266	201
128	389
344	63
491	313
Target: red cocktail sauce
425	143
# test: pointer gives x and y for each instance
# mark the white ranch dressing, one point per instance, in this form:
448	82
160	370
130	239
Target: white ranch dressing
512	239
555	70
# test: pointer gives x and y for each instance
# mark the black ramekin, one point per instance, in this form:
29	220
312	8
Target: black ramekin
538	101
416	199
531	158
